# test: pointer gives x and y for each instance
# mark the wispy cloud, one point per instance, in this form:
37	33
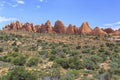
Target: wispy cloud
115	25
4	3
41	0
14	5
4	19
20	1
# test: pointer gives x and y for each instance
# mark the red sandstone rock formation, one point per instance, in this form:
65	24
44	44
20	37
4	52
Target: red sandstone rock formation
108	30
37	28
117	32
44	28
76	30
85	28
70	29
98	31
59	27
48	26
28	27
13	26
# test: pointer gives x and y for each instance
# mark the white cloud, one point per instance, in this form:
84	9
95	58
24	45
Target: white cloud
4	19
4	3
20	1
115	25
41	0
14	5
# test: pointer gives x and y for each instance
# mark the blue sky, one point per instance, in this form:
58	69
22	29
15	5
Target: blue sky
102	13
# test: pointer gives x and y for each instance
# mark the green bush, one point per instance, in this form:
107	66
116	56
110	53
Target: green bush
16	49
20	60
33	61
15	58
70	75
19	73
75	63
63	62
52	57
78	47
1	49
90	65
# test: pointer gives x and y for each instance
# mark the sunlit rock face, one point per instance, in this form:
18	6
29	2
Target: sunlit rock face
98	31
59	27
70	29
48	26
85	28
13	26
28	27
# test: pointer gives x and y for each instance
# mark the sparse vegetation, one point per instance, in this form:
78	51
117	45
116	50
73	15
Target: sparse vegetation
34	56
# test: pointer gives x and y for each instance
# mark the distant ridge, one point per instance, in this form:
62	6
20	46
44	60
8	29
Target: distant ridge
59	28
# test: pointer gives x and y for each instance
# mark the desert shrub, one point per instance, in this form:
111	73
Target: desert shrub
101	50
87	51
75	63
33	48
19	73
110	45
74	53
19	60
78	47
52	57
90	65
15	58
116	49
101	45
66	50
101	70
16	49
62	62
96	59
32	61
71	75
53	51
1	49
